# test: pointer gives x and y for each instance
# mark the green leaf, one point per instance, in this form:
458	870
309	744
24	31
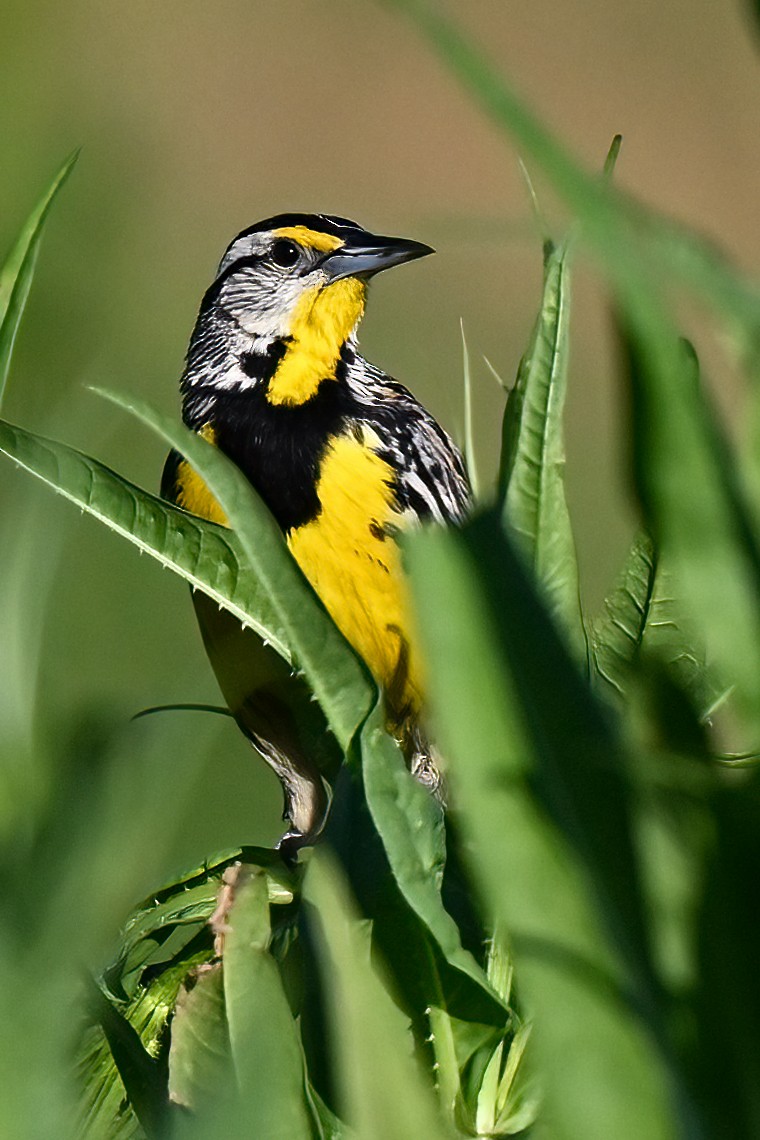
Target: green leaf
684	479
518	1097
610	161
334	673
187	903
395	875
18	270
469	437
540	782
676	836
644	614
636	245
144	1077
328	1124
695	506
533	452
458	1043
411	826
163	960
141	1020
266	1050
250	572
200	1062
208	556
727	1063
383	1094
617	635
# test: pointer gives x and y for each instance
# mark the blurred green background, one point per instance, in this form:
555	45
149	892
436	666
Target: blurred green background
198	119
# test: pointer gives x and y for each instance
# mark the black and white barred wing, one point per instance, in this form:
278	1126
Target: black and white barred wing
431	481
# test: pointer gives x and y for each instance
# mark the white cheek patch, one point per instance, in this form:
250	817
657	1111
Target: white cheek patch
263	309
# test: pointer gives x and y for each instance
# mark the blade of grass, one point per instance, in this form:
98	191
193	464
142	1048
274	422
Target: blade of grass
501	382
18	270
613	154
469	439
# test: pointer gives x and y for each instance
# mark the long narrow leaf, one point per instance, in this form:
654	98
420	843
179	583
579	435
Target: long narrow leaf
533	452
206	555
383	1094
334	673
617	225
264	1042
685	481
470	461
539	781
618	634
17	272
693	502
410	823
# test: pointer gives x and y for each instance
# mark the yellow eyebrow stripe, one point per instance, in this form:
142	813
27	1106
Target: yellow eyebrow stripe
311	239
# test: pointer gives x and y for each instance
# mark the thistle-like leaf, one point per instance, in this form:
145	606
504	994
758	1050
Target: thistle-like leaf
206	555
533	452
334	673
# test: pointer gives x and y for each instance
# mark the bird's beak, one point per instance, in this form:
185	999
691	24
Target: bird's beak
365	259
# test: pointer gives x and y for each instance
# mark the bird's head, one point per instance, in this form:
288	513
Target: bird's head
296	286
274	273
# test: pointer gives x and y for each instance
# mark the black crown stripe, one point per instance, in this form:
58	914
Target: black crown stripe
324	223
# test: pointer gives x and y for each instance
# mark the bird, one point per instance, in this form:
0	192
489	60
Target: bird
345	458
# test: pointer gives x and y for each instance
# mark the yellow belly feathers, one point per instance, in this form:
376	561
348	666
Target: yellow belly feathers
355	566
351	561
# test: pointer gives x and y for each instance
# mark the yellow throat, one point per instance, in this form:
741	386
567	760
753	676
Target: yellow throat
323	321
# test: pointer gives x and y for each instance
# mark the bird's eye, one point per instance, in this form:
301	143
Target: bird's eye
285	253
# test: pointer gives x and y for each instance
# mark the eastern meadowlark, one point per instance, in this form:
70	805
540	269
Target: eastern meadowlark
344	456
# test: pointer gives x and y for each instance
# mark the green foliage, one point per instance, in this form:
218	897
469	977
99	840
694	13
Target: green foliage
531	480
18	270
571	950
539	772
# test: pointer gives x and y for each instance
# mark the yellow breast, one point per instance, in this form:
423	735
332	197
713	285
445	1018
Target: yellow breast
192	494
322	322
350	559
354	565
